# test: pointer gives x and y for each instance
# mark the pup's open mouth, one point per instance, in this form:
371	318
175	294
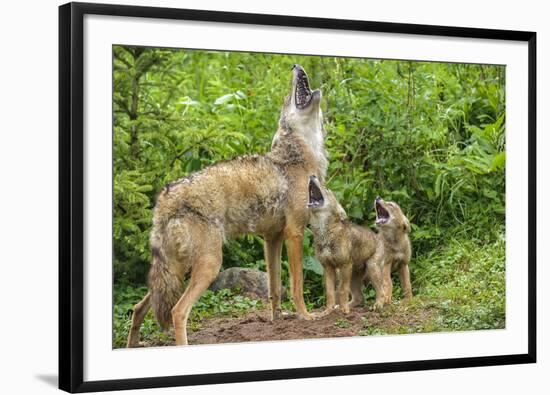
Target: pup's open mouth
303	95
315	195
382	215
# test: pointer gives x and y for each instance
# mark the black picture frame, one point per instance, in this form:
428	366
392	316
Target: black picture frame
71	198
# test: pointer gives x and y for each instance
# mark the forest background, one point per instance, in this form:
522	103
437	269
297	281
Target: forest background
430	136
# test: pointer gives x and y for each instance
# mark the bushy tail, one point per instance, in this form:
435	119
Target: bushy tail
166	289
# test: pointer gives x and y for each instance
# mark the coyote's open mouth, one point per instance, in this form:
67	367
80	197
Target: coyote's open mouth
315	195
303	95
382	215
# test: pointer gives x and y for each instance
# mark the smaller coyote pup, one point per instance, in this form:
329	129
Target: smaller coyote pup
393	235
343	248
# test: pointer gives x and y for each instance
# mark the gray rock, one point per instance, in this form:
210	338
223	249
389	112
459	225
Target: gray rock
248	282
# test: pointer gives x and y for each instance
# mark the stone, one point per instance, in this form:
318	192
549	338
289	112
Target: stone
247	282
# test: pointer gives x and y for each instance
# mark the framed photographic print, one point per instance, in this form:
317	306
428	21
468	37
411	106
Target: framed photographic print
253	197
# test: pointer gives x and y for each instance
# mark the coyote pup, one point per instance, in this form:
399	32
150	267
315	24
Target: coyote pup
393	235
343	248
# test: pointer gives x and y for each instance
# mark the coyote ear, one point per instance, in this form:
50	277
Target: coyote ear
342	214
406	225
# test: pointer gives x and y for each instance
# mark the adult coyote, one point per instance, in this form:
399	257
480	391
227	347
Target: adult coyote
261	194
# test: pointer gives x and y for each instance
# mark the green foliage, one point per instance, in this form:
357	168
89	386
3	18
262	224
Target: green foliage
429	135
222	302
372	331
465	281
342	323
124	299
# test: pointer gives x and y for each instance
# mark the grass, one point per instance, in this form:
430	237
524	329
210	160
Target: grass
342	323
222	303
465	282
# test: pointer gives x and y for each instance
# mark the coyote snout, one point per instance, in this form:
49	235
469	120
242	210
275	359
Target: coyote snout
302	97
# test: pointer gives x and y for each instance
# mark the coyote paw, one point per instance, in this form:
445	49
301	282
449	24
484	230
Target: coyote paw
287	314
322	314
378	306
136	345
276	314
305	316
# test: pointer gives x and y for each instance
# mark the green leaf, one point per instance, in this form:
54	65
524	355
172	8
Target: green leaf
499	161
311	263
356	212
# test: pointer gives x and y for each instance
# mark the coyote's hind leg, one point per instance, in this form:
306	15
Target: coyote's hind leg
203	273
356	285
140	310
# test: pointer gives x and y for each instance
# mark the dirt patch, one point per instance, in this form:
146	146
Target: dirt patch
256	325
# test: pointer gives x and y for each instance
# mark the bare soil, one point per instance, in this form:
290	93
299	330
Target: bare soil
256	325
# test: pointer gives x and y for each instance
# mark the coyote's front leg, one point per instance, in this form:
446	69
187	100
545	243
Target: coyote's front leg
375	274
344	287
272	253
294	244
405	279
388	285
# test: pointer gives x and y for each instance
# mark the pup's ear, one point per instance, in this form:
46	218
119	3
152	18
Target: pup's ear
342	214
406	225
